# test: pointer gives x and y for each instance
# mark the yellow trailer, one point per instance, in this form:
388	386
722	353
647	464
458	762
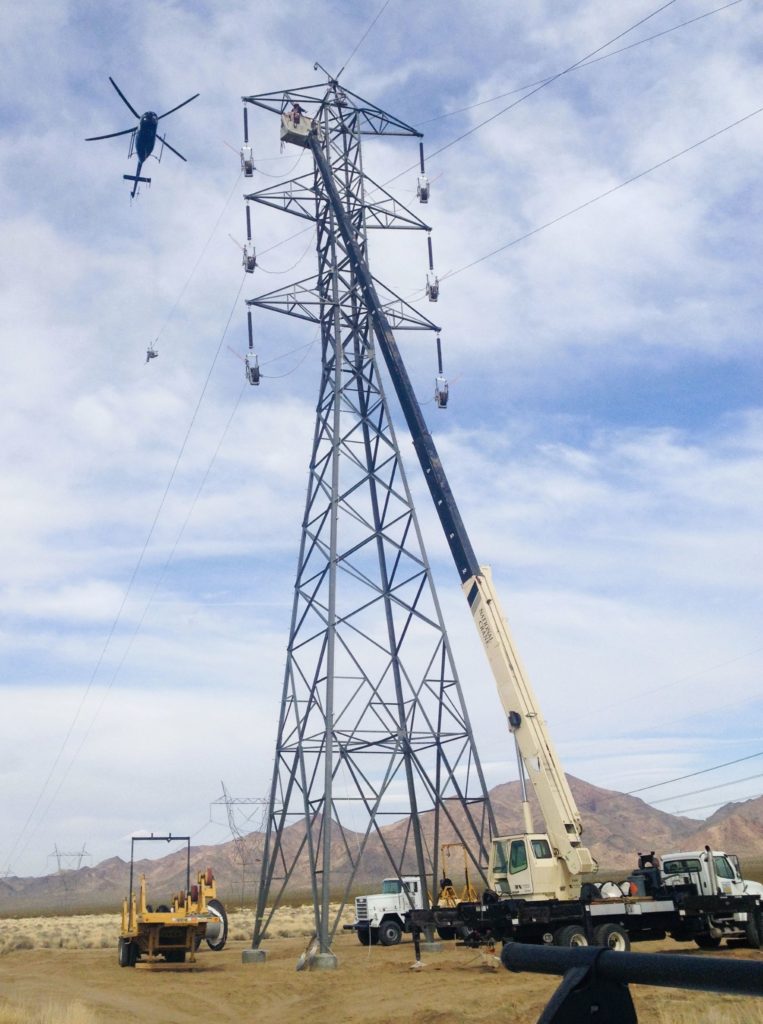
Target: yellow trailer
174	931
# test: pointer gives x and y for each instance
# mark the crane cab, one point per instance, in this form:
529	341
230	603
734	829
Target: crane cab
422	188
433	288
296	126
440	391
247	161
252	370
249	259
525	867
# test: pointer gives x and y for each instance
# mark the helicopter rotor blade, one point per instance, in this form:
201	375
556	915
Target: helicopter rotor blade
165	143
124	98
179	106
95	138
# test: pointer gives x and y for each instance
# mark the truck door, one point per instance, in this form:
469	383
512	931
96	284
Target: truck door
728	880
520	877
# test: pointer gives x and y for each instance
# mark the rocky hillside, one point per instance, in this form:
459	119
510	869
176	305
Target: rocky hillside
617	828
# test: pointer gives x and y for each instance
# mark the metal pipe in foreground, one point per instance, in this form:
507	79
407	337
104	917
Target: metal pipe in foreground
709	974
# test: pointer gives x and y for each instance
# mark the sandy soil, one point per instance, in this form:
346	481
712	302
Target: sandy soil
371	985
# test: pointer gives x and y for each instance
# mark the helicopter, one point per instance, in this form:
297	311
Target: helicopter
143	137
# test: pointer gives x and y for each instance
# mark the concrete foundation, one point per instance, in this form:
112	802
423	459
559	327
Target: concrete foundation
253	956
431	947
323	962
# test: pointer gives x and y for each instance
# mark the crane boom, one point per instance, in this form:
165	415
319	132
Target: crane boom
558	856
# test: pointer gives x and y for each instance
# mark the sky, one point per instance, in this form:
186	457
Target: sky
603	437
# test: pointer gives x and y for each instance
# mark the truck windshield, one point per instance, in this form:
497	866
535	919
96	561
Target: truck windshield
722	868
391	886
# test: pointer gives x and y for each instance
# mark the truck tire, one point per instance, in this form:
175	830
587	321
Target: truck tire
128	952
754	930
390	933
707	941
446	933
368	936
570	935
612	936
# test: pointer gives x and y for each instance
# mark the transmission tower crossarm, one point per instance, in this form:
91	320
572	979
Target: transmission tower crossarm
296	197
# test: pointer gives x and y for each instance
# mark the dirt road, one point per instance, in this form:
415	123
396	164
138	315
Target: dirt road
373	985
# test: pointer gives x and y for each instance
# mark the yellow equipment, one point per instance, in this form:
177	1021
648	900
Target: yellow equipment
448	895
172	932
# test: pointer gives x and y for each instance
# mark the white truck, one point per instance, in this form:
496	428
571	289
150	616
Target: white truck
381	917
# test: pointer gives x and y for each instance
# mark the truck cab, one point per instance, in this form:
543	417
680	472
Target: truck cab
711	872
525	867
380	917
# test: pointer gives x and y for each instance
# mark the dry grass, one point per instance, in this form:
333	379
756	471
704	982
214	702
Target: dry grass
673	1009
52	1013
100	931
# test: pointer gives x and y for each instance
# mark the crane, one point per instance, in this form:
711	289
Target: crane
533	865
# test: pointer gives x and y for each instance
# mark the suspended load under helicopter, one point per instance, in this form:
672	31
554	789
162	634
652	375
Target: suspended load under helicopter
151	352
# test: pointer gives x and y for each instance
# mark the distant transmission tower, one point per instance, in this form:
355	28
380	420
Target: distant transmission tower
68	862
245	843
373	726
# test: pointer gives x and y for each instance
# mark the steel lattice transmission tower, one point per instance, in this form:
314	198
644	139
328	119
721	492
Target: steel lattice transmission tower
373	725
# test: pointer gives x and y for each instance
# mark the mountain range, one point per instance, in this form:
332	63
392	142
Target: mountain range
617	828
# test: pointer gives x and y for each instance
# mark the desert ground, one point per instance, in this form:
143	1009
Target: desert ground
65	971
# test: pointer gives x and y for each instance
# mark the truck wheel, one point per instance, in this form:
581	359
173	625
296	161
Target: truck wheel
754	931
390	933
368	936
446	934
570	935
123	952
612	936
707	941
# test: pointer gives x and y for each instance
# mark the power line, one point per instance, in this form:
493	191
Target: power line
199	258
542	85
583	64
692	775
117	618
707	789
363	37
676	682
702	807
602	195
